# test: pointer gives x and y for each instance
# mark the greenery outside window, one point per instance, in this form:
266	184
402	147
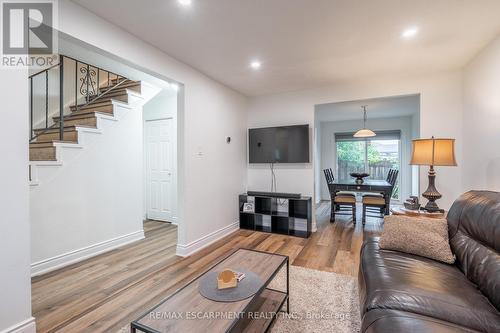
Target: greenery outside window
375	155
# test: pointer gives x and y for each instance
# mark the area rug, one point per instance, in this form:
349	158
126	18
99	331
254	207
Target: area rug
319	302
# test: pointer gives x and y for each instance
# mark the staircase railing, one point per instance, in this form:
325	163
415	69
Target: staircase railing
69	84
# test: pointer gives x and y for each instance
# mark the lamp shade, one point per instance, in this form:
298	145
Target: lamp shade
364	133
438	152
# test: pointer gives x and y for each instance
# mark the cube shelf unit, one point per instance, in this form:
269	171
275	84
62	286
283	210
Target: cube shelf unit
286	216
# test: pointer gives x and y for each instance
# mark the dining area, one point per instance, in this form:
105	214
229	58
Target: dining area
369	167
372	195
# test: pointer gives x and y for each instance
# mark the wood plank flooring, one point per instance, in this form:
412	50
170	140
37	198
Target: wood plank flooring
105	293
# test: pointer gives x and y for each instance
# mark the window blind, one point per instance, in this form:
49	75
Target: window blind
381	135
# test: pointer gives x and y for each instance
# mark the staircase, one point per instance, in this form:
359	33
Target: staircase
86	146
96	98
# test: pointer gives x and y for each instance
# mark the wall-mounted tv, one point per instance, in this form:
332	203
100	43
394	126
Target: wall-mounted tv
285	144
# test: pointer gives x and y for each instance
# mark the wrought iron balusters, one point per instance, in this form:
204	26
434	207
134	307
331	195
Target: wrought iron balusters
46	99
88	82
61	98
85	85
31	108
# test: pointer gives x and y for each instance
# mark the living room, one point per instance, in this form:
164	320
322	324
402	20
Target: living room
238	67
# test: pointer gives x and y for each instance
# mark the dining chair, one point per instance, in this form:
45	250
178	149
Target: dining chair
377	201
379	195
340	201
388	179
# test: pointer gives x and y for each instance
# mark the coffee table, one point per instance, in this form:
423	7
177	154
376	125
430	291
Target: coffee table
186	310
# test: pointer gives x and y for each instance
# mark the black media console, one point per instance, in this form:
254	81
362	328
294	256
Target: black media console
274	194
287	216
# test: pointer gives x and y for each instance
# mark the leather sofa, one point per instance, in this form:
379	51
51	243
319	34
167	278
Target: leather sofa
400	292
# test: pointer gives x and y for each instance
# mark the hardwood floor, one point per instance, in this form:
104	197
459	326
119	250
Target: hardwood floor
105	293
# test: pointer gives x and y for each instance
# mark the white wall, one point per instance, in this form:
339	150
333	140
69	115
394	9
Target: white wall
415	171
15	283
94	200
213	172
318	172
162	106
328	156
440	115
481	120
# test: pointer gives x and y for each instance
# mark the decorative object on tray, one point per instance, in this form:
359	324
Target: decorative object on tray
412	203
359	176
229	285
433	152
227	279
248	207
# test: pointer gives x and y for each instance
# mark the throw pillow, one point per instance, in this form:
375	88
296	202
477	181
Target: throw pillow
422	236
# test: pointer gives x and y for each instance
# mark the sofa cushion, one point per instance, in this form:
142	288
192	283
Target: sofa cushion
423	236
393	321
400	281
474	229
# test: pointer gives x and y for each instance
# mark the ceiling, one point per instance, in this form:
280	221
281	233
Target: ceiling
305	44
385	107
77	49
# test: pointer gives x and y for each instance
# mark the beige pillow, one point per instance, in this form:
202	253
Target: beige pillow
423	236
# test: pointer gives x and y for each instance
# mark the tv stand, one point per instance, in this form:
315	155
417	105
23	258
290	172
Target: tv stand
274	194
281	215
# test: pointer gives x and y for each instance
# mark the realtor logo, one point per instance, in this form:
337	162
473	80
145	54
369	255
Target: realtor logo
27	33
27	28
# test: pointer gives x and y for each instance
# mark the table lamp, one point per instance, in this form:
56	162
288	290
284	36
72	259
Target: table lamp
433	152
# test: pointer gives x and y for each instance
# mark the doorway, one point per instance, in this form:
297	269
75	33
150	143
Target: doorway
160	158
395	121
159	169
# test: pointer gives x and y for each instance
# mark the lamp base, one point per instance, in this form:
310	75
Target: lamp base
432	207
432	194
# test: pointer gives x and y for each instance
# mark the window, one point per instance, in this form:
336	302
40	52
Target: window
371	155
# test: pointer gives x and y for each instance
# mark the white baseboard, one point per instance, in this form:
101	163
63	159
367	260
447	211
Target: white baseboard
185	250
174	220
26	326
50	264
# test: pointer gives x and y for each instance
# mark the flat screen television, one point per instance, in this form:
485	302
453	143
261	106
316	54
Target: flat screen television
285	144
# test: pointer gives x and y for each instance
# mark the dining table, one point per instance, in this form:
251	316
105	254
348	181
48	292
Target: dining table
369	185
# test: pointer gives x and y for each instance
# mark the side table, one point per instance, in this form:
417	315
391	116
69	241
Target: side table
416	213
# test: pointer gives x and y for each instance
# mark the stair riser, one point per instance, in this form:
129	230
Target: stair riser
119	97
131	86
43	154
103	101
136	87
102	108
91	122
68	136
34	145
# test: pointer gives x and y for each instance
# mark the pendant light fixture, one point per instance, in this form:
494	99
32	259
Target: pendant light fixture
364	132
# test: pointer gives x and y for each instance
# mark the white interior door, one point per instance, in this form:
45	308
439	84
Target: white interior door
159	169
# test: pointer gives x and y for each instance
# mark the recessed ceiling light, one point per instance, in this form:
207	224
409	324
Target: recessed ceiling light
185	2
410	32
255	64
